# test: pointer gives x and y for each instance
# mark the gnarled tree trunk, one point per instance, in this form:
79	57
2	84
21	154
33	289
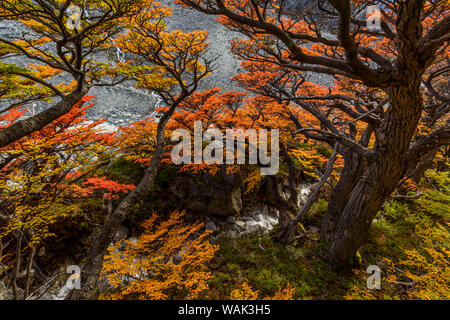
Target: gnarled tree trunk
378	180
348	179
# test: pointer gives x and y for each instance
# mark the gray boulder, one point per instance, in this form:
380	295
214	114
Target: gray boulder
216	195
211	226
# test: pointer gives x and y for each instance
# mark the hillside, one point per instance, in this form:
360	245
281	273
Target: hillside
224	150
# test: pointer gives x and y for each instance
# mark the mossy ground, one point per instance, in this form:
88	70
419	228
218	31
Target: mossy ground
267	266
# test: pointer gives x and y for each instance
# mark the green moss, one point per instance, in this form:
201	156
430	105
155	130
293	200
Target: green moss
268	266
315	214
273	267
166	174
123	171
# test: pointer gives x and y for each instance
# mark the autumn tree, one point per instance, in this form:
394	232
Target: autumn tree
45	179
170	64
245	292
238	111
375	125
168	261
59	41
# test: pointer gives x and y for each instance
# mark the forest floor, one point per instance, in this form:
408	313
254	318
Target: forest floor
404	240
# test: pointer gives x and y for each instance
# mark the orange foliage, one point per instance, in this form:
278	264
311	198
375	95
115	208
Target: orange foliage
168	261
245	292
44	175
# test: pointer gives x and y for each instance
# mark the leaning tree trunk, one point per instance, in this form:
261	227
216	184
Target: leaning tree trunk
381	176
94	261
22	128
286	233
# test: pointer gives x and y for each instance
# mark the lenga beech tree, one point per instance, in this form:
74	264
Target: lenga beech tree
170	64
372	115
57	41
61	42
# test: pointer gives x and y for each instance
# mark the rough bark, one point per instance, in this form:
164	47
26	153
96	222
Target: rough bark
349	177
380	178
27	126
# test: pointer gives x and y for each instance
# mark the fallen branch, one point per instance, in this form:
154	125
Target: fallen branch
402	197
286	233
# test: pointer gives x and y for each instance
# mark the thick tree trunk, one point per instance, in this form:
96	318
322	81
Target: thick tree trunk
354	222
379	179
348	180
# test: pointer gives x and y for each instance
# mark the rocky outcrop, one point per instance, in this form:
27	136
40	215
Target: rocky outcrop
218	195
297	7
